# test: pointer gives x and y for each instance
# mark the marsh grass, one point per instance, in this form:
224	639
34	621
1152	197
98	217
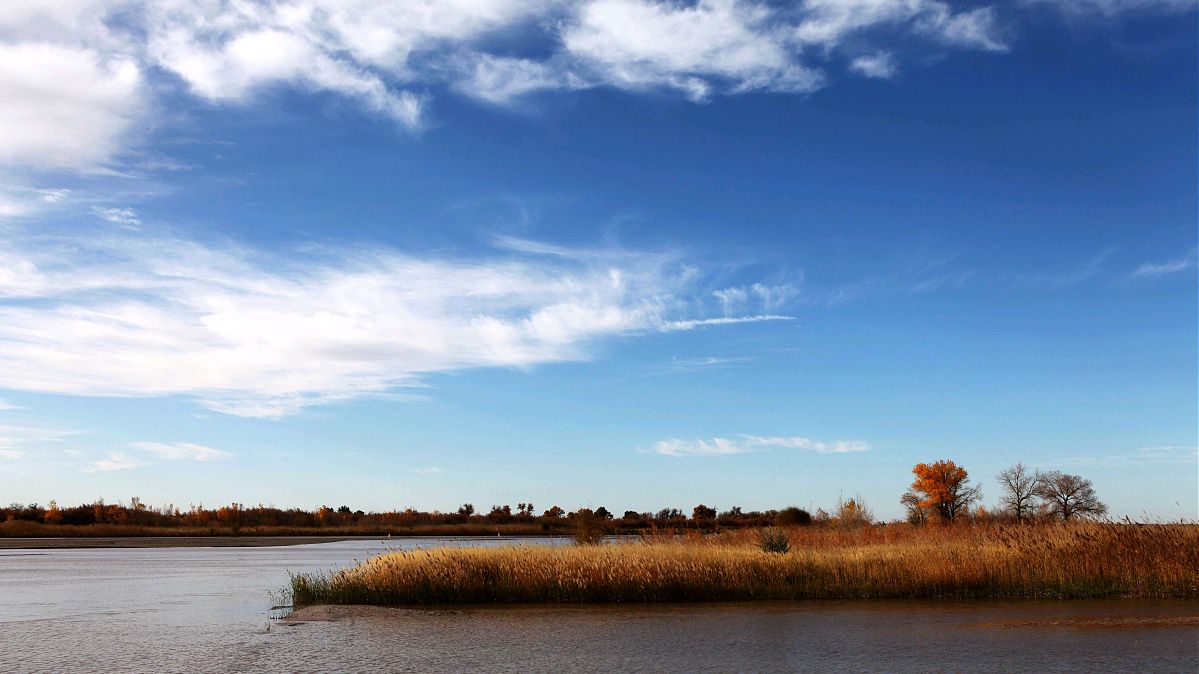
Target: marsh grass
1082	560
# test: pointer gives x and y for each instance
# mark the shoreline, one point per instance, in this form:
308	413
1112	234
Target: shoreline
65	542
1166	616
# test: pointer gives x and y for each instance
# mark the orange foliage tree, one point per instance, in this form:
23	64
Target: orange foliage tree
942	488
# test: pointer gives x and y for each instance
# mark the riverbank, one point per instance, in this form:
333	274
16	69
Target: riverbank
1066	561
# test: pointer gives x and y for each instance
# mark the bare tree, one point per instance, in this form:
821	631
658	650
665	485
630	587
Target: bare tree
1069	496
917	514
1019	491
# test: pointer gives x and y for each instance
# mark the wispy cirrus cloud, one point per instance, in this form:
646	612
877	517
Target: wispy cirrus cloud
1153	270
17	441
691	324
747	443
253	333
880	65
125	217
1162	454
1062	279
182	451
113	462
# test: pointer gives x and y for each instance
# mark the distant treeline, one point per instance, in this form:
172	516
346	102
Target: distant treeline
941	493
138	518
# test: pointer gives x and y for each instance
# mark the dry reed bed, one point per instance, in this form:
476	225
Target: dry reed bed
1081	560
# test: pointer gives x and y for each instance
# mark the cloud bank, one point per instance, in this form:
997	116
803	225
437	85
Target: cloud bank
79	78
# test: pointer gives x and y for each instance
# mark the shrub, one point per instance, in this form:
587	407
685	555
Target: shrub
588	528
775	540
793	516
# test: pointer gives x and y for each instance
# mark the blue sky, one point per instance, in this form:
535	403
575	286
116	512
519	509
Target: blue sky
610	253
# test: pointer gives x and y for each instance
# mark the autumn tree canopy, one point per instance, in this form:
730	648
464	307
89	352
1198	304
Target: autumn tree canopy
942	487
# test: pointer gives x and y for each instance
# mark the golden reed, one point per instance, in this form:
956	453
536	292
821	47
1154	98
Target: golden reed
1066	560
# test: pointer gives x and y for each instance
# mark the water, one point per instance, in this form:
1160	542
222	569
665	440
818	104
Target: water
205	610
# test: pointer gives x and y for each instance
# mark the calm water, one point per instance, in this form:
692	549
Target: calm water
205	610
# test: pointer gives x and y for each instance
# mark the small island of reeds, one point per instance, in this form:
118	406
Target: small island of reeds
1062	560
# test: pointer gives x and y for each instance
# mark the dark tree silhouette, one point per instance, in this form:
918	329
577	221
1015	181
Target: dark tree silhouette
1019	491
1069	496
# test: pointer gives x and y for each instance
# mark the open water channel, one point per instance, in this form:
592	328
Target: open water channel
207	610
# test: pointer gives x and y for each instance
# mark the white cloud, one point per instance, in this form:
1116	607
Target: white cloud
115	461
431	470
691	324
126	217
880	65
828	23
78	76
232	69
65	107
182	451
759	296
500	80
796	442
714	46
748	443
714	447
705	361
253	334
11	454
1151	270
5	405
18	199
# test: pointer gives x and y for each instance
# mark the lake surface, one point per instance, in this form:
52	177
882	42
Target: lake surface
205	610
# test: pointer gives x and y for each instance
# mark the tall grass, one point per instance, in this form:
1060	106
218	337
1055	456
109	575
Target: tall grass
1080	560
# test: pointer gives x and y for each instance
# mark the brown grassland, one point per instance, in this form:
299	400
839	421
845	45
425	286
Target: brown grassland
1051	560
